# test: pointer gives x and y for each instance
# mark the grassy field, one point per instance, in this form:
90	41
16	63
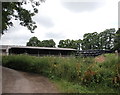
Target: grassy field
70	74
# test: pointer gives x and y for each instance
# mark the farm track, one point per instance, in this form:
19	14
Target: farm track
21	82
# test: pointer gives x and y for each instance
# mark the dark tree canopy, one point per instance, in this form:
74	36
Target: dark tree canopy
33	42
48	43
106	40
117	40
15	10
103	40
45	43
69	43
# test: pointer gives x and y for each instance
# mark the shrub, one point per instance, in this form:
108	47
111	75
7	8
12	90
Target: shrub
77	70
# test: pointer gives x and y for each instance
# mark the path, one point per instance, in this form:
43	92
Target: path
20	82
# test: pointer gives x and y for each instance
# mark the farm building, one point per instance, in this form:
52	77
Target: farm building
36	51
45	51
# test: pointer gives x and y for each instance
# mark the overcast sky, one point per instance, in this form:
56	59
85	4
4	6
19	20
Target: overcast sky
66	19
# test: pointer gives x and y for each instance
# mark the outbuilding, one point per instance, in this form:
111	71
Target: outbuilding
36	51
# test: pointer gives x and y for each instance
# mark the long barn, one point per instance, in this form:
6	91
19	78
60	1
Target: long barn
36	51
46	51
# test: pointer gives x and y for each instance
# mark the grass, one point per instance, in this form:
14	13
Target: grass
69	87
72	75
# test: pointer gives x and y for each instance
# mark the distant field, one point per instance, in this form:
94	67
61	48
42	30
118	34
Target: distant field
72	75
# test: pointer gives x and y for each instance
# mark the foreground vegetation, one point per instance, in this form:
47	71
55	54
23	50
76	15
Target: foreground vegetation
72	75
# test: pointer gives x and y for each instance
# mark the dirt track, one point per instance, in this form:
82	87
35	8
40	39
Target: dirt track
20	82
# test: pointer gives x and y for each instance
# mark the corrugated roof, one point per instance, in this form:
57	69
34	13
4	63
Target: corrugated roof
30	47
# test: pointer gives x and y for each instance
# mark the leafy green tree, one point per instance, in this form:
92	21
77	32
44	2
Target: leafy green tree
79	44
64	43
61	44
48	43
16	11
52	43
34	42
94	40
111	38
106	39
117	41
103	40
73	44
45	43
69	43
86	43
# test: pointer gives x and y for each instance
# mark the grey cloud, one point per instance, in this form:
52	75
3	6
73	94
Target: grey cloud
15	37
82	6
55	35
11	0
45	21
15	40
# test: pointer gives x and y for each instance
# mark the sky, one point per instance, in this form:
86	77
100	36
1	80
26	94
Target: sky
65	19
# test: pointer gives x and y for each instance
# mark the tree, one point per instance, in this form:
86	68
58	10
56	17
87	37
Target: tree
61	44
103	40
34	42
15	10
73	44
117	41
45	43
69	43
106	39
48	43
79	44
52	43
111	37
86	43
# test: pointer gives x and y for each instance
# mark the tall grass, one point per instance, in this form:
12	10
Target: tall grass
80	71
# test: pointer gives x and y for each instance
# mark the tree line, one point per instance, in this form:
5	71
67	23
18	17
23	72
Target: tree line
108	39
45	43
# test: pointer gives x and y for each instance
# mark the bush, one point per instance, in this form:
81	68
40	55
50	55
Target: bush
77	70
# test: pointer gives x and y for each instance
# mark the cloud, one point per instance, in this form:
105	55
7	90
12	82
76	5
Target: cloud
44	21
82	6
16	36
55	35
71	19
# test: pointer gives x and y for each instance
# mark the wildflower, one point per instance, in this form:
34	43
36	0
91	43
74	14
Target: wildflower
55	65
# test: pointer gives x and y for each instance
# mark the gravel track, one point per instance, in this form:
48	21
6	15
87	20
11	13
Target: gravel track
21	82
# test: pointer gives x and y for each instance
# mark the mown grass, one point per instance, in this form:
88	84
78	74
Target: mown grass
72	75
